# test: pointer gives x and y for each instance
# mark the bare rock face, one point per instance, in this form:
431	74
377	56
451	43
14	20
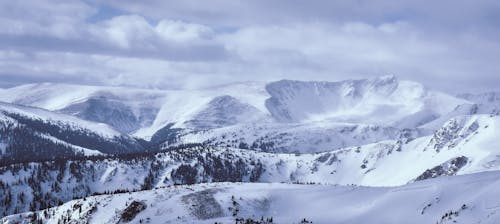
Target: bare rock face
203	205
452	132
132	210
448	168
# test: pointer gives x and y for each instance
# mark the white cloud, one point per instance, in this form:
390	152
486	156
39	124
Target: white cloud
127	31
188	43
183	32
57	18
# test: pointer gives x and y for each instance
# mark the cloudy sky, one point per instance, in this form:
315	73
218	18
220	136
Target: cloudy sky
452	45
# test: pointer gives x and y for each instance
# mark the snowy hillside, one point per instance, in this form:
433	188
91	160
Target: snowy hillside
32	134
461	199
44	115
292	138
223	111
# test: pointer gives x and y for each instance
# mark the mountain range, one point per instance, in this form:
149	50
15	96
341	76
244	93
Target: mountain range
116	154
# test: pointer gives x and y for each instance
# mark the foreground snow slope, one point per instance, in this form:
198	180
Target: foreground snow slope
460	199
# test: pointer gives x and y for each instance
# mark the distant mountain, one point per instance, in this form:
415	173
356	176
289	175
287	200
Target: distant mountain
126	109
283	116
102	109
367	101
482	103
223	111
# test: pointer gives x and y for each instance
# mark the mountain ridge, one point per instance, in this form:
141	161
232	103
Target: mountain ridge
143	112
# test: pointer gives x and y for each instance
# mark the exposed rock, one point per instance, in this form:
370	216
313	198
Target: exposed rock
448	168
132	210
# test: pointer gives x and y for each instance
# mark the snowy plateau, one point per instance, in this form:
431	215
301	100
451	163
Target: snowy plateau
379	150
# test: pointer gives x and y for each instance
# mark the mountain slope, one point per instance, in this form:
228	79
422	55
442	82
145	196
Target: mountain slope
32	134
127	109
463	199
223	111
291	138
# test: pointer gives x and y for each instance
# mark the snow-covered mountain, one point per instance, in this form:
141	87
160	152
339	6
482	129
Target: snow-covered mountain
357	101
463	199
141	111
295	116
464	145
126	109
380	132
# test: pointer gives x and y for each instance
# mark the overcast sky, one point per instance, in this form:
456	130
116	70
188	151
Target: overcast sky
451	45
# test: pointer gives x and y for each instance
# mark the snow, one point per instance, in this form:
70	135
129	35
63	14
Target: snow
56	96
36	113
368	165
348	138
294	137
84	151
471	198
181	106
364	102
382	158
4	120
356	101
174	106
389	163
